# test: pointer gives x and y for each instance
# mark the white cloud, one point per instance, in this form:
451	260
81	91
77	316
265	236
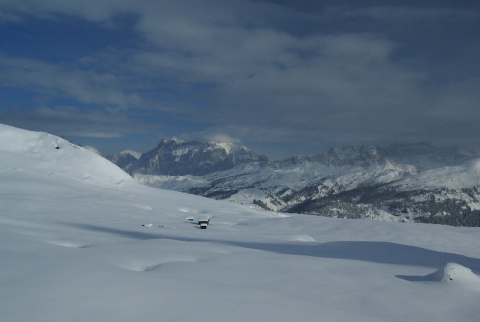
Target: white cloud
243	69
86	86
221	137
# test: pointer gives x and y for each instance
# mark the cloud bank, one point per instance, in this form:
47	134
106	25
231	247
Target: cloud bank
263	72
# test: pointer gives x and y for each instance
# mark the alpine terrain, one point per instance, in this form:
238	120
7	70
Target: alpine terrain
403	182
80	240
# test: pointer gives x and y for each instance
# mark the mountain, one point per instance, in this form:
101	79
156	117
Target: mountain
425	155
347	182
175	157
124	159
342	156
80	240
448	195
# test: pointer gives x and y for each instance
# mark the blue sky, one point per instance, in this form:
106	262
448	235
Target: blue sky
281	77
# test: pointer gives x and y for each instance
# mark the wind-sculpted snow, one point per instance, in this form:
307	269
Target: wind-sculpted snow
453	275
79	248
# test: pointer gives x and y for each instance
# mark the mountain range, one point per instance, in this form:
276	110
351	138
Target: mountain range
402	182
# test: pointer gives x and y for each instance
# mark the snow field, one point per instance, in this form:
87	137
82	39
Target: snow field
81	241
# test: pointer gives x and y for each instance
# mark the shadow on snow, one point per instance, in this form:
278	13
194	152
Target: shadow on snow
371	251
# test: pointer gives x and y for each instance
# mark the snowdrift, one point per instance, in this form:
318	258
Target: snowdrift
456	273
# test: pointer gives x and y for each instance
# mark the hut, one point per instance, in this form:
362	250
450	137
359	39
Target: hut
203	222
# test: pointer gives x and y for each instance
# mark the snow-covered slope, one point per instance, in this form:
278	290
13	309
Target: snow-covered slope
81	241
44	154
425	155
455	177
447	195
278	188
347	182
278	185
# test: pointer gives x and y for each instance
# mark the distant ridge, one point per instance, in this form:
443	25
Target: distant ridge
403	182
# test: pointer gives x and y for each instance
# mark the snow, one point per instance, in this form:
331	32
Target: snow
452	177
453	272
93	149
249	182
82	241
223	145
134	154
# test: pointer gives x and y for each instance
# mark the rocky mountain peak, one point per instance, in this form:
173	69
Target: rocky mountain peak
176	157
134	154
124	159
342	156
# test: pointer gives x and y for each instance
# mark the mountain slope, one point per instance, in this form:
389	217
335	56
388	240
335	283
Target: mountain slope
53	155
347	182
78	248
424	155
124	159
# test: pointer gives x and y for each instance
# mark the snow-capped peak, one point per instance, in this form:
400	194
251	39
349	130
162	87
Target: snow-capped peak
228	147
174	157
134	154
171	141
223	145
453	177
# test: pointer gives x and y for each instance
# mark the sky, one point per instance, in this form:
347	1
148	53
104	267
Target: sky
280	77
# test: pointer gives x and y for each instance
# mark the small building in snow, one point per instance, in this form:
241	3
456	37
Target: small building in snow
203	222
